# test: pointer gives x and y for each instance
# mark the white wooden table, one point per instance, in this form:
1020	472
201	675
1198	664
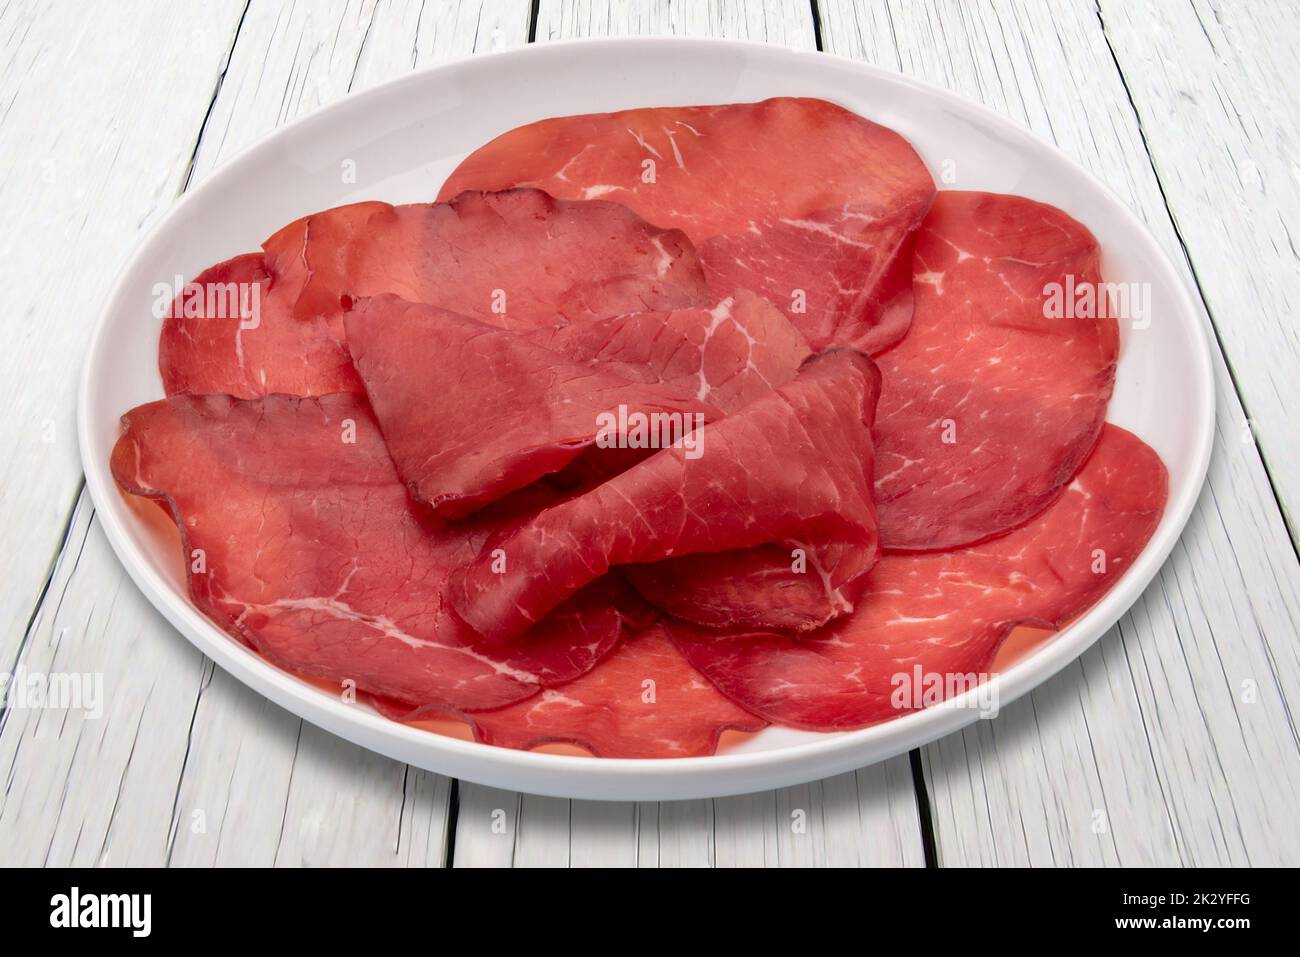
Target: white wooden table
1173	741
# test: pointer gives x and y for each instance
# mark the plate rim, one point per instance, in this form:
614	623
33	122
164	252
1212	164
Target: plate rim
655	778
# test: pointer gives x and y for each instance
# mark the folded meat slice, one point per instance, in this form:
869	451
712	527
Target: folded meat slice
517	259
991	404
793	468
471	412
542	398
820	223
937	619
643	701
300	540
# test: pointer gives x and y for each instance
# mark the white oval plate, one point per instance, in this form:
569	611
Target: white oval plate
407	135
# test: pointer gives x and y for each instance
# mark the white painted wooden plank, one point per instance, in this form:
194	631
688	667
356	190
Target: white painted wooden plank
100	107
351	807
788	22
1146	750
86	790
868	818
236	780
294	58
1214	87
675	834
863	819
497	828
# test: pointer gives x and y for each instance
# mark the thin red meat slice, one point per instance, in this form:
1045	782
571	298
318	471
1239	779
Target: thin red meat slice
471	412
301	541
798	199
516	259
643	701
211	342
989	407
736	353
765	587
946	613
727	354
793	468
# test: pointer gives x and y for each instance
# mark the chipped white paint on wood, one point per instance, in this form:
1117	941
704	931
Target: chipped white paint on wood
1145	750
1142	752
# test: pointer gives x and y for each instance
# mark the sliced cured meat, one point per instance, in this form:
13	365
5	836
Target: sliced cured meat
727	354
643	701
771	586
798	199
736	352
471	412
989	406
944	614
793	468
234	332
515	259
301	541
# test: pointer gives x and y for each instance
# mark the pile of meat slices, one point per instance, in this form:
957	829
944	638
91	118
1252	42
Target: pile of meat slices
655	424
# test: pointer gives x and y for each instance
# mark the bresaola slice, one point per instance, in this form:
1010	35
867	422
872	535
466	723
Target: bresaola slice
771	586
517	259
727	354
792	468
471	412
643	701
944	614
988	407
234	332
300	540
804	202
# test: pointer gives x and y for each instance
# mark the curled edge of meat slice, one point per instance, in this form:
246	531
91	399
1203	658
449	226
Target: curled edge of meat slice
472	412
313	555
793	467
945	613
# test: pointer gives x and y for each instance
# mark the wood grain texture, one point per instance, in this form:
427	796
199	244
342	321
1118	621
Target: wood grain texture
1173	740
863	819
1213	86
100	110
788	22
